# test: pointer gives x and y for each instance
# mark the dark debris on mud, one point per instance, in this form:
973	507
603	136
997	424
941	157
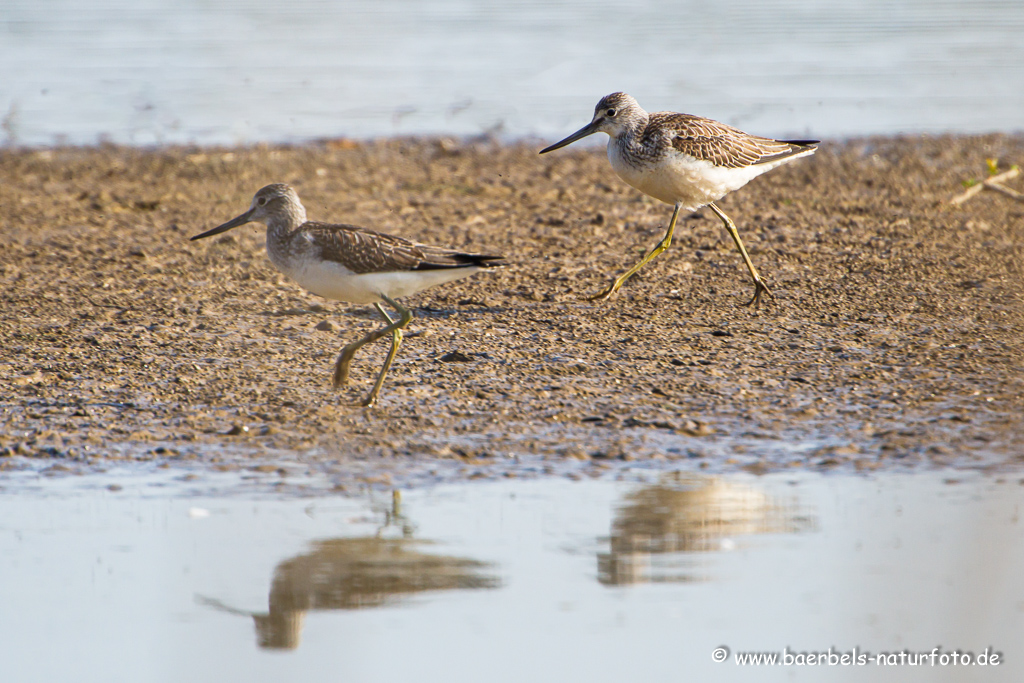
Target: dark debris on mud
896	336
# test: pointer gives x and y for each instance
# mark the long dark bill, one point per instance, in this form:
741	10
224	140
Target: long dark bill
233	223
583	132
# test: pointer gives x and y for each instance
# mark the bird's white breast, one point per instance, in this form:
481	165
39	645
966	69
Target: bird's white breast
675	177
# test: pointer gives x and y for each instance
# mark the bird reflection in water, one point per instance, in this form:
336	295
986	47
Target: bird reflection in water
659	530
356	573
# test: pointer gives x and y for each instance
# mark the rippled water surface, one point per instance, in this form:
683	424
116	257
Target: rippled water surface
221	71
134	577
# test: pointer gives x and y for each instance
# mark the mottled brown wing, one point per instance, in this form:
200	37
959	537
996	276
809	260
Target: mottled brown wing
366	251
363	251
718	143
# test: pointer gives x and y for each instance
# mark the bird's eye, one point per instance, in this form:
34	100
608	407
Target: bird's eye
610	112
261	201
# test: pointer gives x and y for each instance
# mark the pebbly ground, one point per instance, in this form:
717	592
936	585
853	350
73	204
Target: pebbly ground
896	337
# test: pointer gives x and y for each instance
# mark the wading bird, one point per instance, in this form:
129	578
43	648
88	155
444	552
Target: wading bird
348	263
683	160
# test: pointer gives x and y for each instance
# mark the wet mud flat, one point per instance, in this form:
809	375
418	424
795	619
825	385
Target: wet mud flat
896	337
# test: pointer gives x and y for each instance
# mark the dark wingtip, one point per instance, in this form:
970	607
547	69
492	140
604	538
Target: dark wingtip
489	260
461	260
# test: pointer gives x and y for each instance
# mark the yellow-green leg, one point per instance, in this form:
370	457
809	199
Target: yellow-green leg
394	328
405	317
662	246
759	286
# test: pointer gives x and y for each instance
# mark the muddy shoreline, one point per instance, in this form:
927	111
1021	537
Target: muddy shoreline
896	338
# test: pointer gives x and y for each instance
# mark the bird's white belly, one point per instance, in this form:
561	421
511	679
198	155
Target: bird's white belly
681	178
334	281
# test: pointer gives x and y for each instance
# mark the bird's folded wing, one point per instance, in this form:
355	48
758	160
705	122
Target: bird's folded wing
364	251
720	144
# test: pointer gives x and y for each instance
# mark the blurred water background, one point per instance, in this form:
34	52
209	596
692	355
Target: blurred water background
243	71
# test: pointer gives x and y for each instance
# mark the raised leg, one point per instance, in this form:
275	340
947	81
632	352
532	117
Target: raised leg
759	286
662	246
394	328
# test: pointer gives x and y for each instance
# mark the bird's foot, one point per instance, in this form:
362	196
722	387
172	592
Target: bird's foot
607	292
759	289
367	402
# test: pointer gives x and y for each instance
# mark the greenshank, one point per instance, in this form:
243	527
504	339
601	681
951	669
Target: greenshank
683	160
352	264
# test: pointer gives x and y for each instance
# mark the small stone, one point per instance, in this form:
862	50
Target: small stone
326	326
695	428
758	468
440	451
30	378
456	357
575	452
483	303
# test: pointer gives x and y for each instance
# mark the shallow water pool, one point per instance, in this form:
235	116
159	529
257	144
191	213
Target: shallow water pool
547	579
